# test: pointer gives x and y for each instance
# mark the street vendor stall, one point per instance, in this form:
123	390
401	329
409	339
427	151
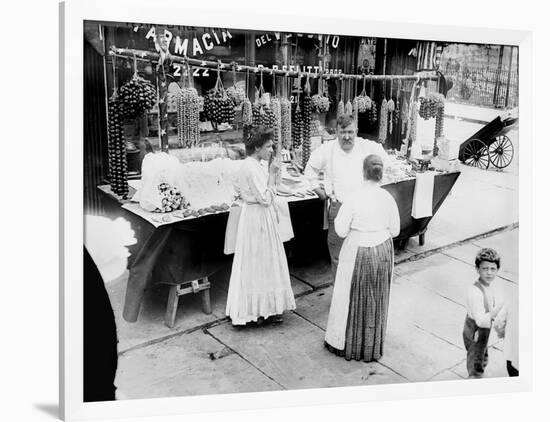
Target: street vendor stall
180	192
183	250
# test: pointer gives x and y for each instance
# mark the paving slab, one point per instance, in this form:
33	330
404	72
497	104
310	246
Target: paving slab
416	354
427	310
317	274
299	360
182	366
315	306
299	287
495	368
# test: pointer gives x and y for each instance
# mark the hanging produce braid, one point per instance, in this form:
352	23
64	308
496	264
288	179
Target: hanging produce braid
383	128
118	164
306	136
188	103
286	126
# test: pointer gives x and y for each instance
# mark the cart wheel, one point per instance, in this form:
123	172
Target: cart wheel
476	154
501	152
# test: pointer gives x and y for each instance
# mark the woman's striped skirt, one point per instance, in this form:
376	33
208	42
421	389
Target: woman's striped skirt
368	303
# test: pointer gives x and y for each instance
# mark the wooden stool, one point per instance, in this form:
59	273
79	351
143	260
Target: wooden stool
176	290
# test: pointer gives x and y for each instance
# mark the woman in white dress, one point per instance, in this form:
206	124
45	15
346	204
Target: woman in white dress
368	220
259	287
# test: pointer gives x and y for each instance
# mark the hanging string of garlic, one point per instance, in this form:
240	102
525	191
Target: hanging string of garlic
247	105
383	125
286	125
391	108
276	108
341	109
297	122
348	109
404	117
355	105
414	123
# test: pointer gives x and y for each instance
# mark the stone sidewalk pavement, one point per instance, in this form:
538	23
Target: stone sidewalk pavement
423	340
202	354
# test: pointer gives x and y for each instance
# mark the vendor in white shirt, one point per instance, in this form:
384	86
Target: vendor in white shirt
341	161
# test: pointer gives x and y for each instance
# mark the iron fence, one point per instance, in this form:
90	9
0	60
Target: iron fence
482	85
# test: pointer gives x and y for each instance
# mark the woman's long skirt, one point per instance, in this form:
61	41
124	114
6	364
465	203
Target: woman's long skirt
359	330
260	281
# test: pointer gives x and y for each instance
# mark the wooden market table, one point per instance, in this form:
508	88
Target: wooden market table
183	253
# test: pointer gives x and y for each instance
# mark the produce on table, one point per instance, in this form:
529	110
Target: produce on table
171	198
118	164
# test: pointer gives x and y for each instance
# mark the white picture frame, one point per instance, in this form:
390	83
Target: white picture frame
165	12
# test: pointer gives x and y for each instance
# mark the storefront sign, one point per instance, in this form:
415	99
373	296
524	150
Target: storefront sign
180	71
197	45
303	69
332	40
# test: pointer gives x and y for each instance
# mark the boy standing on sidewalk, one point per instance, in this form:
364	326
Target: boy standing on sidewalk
481	311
